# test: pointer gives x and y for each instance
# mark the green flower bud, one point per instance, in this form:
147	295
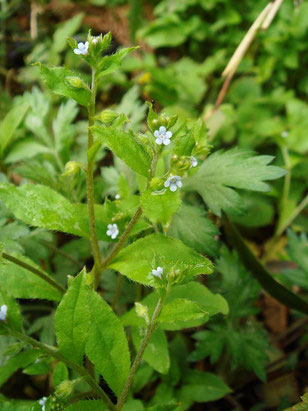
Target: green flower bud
76	82
71	168
142	139
107	116
142	312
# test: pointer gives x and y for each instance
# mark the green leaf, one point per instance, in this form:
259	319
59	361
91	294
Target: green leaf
156	354
72	319
159	206
57	78
106	345
180	311
13	316
40	206
64	30
168	253
274	288
223	171
40	366
60	374
17	405
20	360
109	64
125	146
195	292
10	123
62	126
203	387
24	149
25	284
191	225
86	405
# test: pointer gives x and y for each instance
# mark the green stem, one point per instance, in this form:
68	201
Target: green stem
151	328
54	352
120	243
90	185
35	271
274	240
287	184
129	227
302	205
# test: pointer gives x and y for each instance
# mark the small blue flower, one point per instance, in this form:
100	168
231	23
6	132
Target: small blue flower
112	231
162	136
42	402
3	311
82	48
193	162
173	182
158	272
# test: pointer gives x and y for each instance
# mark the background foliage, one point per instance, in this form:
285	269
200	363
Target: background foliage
253	357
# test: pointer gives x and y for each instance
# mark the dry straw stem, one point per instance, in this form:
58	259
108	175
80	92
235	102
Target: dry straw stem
272	13
247	40
263	21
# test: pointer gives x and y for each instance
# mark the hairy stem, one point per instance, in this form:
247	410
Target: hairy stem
35	271
54	352
151	328
90	185
120	243
128	229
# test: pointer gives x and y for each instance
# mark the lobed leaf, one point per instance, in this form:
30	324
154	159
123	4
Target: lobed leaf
225	170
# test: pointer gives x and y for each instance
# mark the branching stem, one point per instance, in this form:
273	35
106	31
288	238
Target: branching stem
90	185
151	328
54	352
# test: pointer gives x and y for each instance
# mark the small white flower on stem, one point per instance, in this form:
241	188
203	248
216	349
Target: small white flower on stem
112	231
42	402
82	48
284	134
3	311
173	182
162	136
158	272
117	197
193	162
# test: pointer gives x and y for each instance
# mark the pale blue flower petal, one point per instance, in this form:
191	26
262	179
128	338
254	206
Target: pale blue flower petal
162	129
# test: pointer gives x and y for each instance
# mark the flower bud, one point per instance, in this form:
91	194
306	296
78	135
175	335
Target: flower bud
107	116
76	82
65	389
142	312
142	139
71	168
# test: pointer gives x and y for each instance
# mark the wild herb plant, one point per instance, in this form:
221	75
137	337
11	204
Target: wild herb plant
152	232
